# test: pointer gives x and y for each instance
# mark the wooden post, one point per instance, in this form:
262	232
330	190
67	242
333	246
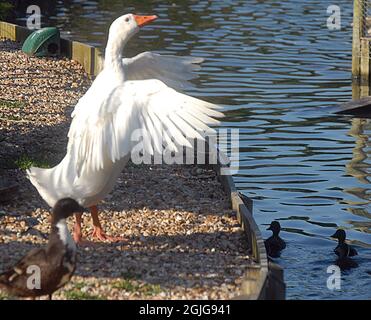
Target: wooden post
356	91
365	67
357	34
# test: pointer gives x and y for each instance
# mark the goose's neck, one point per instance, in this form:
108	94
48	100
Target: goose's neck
113	55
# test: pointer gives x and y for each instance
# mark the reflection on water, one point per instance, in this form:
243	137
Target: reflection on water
358	166
268	63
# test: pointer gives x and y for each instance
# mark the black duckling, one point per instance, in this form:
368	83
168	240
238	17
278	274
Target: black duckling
343	249
57	261
346	263
344	252
274	244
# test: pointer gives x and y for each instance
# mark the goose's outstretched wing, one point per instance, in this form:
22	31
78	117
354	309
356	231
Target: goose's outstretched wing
174	71
146	112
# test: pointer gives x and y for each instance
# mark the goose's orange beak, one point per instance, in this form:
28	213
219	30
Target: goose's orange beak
143	20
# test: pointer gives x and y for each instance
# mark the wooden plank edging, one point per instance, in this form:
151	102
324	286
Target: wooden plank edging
263	280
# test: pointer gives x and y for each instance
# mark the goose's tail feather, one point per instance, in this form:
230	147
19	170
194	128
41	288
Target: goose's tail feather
40	177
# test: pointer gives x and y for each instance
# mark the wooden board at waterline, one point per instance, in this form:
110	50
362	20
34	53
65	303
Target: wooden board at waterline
360	107
264	280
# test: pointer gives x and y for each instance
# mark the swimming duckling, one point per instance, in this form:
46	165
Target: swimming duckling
343	249
345	263
55	263
274	244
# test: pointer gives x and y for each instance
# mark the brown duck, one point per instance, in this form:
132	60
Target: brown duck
55	263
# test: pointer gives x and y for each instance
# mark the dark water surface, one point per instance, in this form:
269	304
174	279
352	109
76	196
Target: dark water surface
267	62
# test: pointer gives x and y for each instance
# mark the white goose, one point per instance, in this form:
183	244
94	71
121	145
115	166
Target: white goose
115	106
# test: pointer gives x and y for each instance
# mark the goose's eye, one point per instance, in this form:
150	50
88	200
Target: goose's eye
127	19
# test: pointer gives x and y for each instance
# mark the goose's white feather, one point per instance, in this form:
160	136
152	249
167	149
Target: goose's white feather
172	70
105	134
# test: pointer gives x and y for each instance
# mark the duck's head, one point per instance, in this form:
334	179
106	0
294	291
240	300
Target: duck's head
127	25
340	235
65	208
275	227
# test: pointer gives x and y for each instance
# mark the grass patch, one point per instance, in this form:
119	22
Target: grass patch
125	284
11	104
131	285
79	295
25	162
79	285
4	296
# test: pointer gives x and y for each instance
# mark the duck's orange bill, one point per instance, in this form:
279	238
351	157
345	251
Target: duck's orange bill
143	20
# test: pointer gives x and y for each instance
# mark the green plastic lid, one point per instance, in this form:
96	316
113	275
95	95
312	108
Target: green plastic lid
43	42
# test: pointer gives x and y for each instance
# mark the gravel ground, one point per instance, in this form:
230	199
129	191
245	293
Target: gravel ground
183	240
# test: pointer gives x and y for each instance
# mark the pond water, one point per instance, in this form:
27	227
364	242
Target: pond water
274	66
